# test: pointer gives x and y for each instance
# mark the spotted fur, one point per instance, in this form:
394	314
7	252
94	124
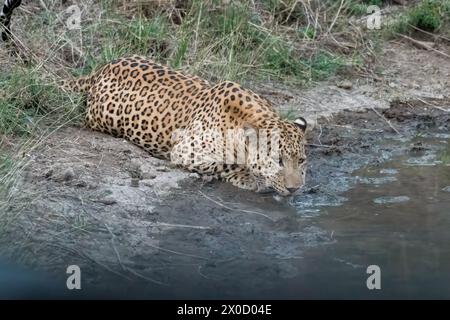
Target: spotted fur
148	104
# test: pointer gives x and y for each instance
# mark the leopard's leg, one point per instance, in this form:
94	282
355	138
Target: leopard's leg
240	178
237	176
203	160
189	152
182	156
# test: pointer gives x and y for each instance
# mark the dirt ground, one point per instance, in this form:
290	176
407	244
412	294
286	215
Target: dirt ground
403	72
77	202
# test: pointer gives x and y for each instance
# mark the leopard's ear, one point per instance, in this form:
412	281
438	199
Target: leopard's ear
301	123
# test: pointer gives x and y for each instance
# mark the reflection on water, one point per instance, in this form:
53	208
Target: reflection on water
385	200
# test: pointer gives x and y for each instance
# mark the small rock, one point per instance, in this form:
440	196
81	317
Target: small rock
314	189
81	184
446	189
68	174
194	175
92	185
49	173
248	227
347	85
393	85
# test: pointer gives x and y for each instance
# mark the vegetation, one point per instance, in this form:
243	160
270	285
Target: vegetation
237	41
360	7
30	108
428	15
27	99
291	42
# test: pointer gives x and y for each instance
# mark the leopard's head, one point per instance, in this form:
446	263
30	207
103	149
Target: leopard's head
282	167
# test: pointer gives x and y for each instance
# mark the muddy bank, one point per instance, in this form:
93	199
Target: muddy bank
75	204
369	137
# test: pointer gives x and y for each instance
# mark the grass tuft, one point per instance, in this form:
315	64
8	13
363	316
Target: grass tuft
27	98
428	15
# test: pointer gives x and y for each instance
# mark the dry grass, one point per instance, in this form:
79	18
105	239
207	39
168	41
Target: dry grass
290	41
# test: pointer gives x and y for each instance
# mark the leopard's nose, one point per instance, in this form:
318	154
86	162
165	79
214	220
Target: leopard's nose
292	190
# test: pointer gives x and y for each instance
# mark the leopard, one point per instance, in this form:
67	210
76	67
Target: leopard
186	119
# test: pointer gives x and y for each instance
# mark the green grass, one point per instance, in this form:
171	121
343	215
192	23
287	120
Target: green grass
7	167
359	8
428	15
290	114
22	101
117	37
27	98
217	42
30	107
6	162
248	49
286	11
307	32
325	64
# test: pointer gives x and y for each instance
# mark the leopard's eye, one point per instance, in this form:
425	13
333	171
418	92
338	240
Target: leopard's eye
301	160
280	162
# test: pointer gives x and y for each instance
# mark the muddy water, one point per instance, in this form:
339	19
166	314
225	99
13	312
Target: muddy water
394	214
377	199
397	216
